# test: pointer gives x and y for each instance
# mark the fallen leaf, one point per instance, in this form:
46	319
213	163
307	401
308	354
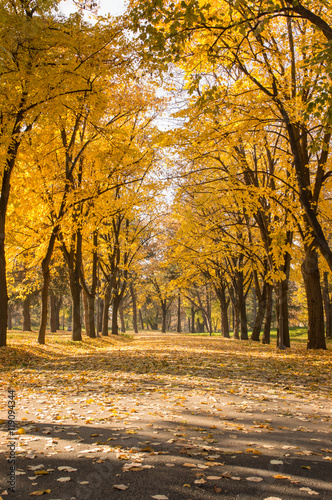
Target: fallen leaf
39	492
309	491
254	479
64	479
120	487
159	497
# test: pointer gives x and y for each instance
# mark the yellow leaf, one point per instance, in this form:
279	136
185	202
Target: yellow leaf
20	431
39	492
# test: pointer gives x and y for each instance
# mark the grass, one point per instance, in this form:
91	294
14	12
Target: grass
297	334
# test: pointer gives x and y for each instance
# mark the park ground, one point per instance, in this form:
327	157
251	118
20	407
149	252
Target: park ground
166	416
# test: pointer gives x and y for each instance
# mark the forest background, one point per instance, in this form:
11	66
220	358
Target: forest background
169	168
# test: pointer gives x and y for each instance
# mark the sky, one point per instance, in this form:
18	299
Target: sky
113	7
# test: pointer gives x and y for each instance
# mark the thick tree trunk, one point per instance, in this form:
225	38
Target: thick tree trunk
311	277
268	315
327	306
260	312
178	325
134	304
5	190
26	314
3	280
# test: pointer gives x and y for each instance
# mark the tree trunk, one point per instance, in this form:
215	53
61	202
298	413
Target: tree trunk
192	319
281	292
141	318
164	316
208	315
178	326
327	306
134	304
115	309
5	190
122	321
260	311
3	284
200	326
236	320
46	284
76	288
91	316
242	307
311	277
26	314
44	302
106	306
220	291
53	312
58	304
86	313
101	315
268	315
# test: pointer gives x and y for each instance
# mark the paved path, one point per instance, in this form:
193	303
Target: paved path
166	423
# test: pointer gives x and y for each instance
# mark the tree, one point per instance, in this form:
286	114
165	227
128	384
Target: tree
269	60
39	52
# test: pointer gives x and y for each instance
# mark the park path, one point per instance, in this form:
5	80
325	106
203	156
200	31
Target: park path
170	416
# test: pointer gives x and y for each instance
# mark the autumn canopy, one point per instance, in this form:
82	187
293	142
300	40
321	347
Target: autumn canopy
167	169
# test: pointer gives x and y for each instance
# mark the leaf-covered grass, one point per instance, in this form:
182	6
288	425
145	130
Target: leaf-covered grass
158	356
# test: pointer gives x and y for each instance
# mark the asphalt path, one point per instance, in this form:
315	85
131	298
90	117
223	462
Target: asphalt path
168	439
